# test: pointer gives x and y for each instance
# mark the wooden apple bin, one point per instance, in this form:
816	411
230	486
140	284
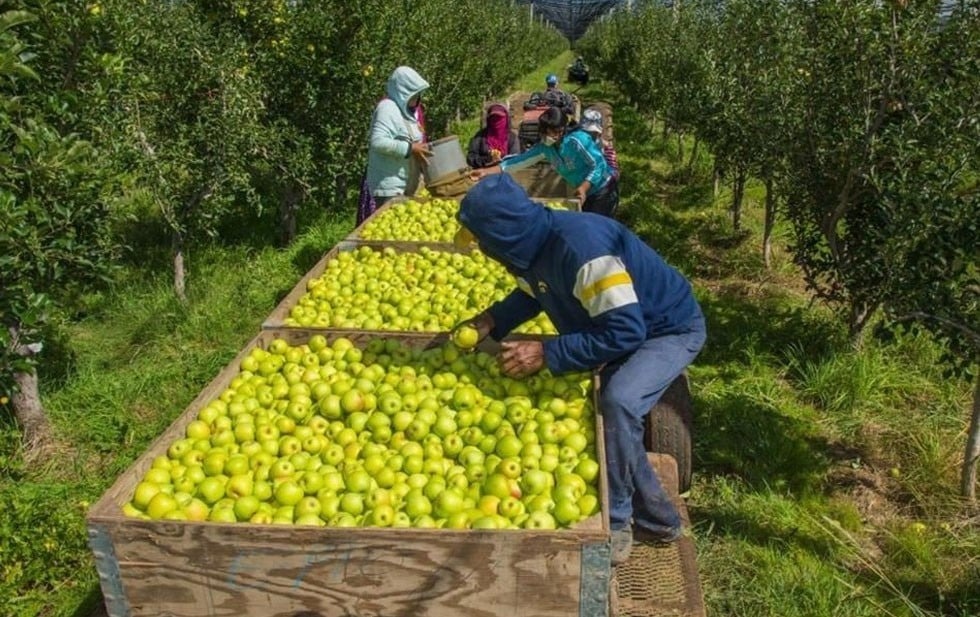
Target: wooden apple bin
191	569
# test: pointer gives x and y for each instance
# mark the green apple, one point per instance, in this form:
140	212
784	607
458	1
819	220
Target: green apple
352	503
566	511
160	505
511	507
540	520
245	507
308	505
466	336
211	489
288	493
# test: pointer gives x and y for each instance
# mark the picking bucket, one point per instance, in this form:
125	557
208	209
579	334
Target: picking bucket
446	159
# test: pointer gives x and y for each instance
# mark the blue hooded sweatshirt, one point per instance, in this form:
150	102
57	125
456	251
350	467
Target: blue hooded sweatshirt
604	289
391	170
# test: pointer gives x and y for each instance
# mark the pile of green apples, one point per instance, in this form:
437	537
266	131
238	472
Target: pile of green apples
385	289
413	220
326	433
433	220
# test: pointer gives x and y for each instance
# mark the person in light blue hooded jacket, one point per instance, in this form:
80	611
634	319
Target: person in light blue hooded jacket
396	150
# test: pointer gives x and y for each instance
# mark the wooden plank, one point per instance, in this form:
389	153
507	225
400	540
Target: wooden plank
197	569
541	181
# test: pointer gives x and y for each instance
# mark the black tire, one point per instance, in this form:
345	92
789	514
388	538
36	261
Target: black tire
669	428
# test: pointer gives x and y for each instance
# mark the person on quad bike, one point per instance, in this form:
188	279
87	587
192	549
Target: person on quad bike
578	72
552	97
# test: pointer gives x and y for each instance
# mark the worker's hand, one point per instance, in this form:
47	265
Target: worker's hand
482	323
478	174
495	155
521	358
583	190
421	151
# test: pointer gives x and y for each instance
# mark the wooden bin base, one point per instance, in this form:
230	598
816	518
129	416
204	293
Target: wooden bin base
660	581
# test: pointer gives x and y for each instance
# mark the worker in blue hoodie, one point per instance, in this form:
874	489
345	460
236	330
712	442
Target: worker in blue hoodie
396	147
618	307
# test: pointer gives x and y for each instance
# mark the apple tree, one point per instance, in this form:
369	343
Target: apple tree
882	186
192	113
754	94
55	235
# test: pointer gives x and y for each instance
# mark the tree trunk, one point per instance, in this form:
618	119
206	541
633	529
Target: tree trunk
716	174
770	221
968	482
860	314
288	208
26	403
738	191
694	154
180	276
680	146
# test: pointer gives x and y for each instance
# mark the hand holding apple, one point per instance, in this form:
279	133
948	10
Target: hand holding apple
468	334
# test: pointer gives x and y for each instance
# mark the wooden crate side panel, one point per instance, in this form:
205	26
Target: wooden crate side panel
542	181
600	445
191	570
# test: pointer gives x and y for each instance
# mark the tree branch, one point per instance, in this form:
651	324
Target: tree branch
963	329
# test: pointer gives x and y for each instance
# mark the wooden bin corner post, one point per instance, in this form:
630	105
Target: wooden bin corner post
193	569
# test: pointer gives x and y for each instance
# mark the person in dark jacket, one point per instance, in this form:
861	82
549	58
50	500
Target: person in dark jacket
618	307
494	141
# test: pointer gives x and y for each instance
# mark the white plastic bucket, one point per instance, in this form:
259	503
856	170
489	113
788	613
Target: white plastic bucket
445	158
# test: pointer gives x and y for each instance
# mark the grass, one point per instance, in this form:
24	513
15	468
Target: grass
825	477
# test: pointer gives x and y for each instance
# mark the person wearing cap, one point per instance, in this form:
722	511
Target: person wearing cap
556	97
592	124
574	155
396	145
494	141
619	308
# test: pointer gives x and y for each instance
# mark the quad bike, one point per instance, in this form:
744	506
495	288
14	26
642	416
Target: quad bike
578	74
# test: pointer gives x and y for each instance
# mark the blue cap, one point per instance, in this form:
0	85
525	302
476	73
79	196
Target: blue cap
551	79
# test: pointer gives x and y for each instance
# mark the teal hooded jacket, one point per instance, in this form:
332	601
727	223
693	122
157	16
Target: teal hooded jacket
391	169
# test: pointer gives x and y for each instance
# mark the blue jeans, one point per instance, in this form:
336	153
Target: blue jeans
630	388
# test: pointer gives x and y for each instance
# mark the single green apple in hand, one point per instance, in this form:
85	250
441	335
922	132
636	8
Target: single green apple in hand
466	336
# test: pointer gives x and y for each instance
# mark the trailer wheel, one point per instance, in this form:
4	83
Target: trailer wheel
669	428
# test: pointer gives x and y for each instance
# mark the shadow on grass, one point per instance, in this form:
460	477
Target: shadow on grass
755	442
93	604
740	324
960	601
